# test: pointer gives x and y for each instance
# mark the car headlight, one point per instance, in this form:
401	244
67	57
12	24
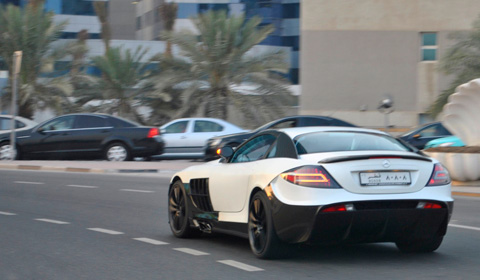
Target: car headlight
447	144
215	142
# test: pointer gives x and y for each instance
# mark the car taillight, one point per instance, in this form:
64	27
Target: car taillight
429	205
310	176
439	176
153	132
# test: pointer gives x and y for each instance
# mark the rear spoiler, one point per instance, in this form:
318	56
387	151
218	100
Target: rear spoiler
364	157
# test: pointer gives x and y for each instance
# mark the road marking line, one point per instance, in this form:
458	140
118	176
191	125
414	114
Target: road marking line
81	186
191	251
150	241
140	191
7	213
52	221
465	227
102	230
241	266
31	183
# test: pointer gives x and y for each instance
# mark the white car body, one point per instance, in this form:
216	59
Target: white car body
21	122
231	185
190	141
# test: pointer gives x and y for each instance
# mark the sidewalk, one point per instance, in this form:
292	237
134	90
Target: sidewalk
165	168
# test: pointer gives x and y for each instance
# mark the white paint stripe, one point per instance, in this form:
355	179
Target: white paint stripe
465	227
7	213
52	221
191	251
151	241
80	186
140	191
30	183
241	266
102	230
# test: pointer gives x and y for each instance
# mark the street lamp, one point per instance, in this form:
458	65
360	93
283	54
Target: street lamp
386	107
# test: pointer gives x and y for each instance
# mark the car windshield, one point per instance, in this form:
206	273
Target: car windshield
322	142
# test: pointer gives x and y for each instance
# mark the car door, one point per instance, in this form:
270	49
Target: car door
88	133
202	131
176	137
51	138
229	182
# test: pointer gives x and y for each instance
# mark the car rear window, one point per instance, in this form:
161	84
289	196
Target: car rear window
322	142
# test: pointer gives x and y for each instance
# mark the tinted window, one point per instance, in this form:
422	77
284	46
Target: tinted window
284	124
434	130
178	127
90	122
61	123
207	126
320	142
323	122
255	149
119	123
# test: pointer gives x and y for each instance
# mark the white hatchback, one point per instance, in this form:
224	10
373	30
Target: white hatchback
186	137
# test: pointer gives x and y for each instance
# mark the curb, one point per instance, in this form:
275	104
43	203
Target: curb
83	170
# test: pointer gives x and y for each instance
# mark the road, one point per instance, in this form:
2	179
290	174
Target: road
114	226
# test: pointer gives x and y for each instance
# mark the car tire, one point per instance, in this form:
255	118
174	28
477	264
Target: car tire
5	150
178	210
117	152
264	241
420	245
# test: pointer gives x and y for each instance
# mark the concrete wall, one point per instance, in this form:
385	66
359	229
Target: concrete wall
122	19
356	51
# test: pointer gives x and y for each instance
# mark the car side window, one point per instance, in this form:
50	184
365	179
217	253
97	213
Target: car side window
178	127
434	130
206	126
255	149
90	122
315	122
284	124
61	123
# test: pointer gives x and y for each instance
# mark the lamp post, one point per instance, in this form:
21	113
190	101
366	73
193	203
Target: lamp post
386	107
17	62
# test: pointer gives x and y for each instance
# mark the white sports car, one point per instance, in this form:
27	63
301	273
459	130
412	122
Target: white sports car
319	185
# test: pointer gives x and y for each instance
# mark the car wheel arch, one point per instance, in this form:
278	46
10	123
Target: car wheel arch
126	145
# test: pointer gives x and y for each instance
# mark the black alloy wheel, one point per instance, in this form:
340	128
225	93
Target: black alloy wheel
178	212
261	233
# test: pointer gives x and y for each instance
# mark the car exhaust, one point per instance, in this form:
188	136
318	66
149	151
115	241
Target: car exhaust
203	226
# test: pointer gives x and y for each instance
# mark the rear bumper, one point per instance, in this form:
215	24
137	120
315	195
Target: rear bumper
372	221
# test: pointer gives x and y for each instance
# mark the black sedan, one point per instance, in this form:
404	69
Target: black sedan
84	136
233	140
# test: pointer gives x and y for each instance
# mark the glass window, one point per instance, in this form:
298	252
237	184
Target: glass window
429	46
90	122
255	149
434	130
207	126
321	142
61	123
284	124
119	122
178	127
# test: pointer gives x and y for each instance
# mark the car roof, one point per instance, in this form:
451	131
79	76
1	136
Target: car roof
295	131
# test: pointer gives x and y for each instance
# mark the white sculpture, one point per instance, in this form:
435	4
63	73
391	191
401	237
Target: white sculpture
462	113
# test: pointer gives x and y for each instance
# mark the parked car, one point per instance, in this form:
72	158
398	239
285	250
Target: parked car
233	140
320	185
186	138
419	136
450	141
20	123
84	136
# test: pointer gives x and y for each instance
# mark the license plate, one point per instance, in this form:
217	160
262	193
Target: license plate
385	178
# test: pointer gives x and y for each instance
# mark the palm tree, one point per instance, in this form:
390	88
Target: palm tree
219	70
122	85
102	15
32	30
168	12
461	60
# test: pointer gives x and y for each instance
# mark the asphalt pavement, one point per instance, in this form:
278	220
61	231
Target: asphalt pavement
165	168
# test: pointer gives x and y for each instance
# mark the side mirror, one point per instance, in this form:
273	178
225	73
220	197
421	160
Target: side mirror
416	136
225	152
40	130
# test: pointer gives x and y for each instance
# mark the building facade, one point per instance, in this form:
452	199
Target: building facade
283	14
356	52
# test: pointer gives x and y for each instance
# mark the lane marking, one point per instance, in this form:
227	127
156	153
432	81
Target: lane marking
241	266
81	186
30	183
52	221
191	251
7	213
465	227
140	191
107	231
150	241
